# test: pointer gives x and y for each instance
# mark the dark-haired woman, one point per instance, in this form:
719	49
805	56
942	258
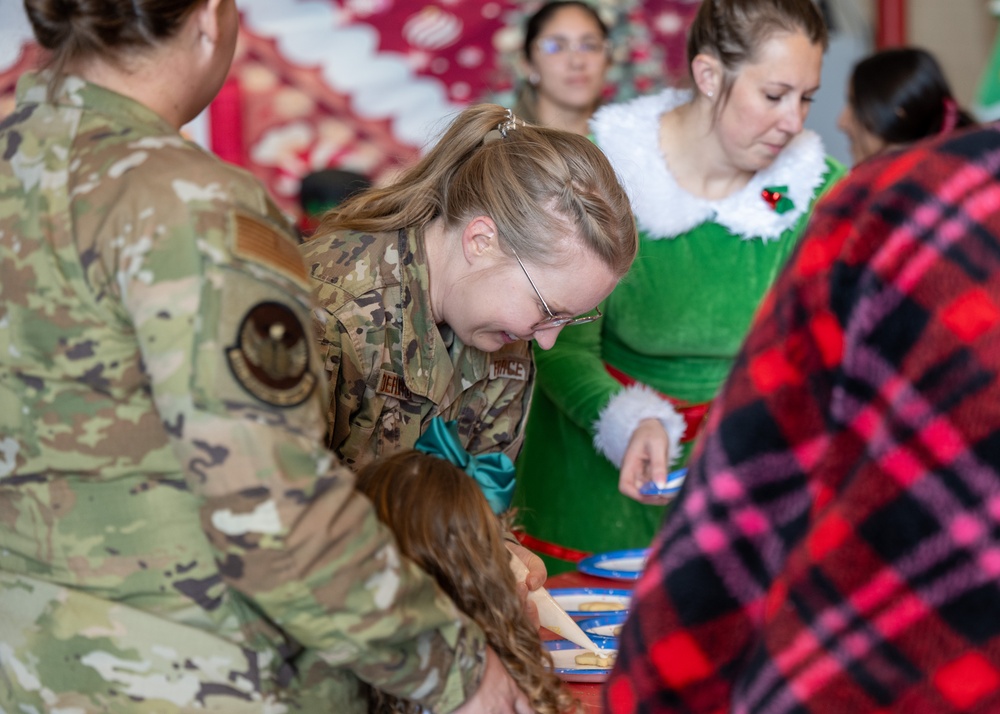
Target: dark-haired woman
172	536
567	54
896	97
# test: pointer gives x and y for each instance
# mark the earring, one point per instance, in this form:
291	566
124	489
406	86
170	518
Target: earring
534	79
709	94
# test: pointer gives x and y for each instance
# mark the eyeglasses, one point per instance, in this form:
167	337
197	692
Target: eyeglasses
553	320
561	45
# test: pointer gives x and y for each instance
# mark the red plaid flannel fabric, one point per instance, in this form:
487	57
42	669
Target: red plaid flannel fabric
836	548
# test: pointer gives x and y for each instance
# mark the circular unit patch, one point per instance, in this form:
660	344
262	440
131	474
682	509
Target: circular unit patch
271	356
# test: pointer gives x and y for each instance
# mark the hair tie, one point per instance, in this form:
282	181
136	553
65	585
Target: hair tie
950	120
493	472
509	124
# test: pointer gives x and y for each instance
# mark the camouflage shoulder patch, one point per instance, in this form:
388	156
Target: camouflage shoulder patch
259	242
270	359
391	384
509	368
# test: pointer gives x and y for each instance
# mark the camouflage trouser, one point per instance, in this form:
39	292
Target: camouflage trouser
64	650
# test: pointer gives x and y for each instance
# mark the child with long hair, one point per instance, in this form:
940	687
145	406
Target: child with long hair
443	522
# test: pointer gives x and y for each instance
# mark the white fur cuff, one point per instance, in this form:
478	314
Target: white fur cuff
621	416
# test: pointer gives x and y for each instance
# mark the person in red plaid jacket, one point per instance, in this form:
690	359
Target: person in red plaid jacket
836	548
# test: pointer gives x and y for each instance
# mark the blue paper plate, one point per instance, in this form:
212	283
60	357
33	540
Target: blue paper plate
617	565
675	479
564	653
571	600
601	629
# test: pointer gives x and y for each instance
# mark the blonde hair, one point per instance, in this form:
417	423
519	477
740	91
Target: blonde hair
443	522
534	182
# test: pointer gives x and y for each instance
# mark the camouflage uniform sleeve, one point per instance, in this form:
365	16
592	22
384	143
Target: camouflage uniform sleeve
351	351
348	378
500	425
218	298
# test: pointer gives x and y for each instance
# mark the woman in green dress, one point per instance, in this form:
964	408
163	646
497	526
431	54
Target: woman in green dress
722	179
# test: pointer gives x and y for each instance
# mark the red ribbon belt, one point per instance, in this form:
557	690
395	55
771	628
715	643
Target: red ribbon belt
551	549
693	414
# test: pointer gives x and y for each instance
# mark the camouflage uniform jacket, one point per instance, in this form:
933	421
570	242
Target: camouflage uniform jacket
391	368
173	535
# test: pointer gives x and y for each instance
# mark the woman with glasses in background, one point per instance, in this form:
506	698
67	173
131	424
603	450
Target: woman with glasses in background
567	55
722	178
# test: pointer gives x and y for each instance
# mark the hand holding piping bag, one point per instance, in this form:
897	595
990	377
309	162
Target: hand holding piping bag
551	615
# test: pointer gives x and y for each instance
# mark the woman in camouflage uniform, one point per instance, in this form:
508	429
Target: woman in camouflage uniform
433	287
173	537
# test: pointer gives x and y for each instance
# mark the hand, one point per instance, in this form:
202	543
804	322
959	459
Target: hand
498	693
536	568
646	459
533	579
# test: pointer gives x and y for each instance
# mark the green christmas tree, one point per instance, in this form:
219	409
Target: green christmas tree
987	104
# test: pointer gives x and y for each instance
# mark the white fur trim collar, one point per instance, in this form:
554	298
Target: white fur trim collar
628	134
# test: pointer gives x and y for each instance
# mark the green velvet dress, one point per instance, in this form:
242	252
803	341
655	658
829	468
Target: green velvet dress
674	323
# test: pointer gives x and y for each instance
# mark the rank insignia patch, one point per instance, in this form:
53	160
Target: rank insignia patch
271	356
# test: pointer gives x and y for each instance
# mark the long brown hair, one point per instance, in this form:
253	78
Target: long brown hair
534	182
443	522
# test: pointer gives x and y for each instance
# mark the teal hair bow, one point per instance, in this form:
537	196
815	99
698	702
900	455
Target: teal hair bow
493	472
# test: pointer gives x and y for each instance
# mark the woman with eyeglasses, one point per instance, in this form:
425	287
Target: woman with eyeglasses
567	55
432	288
722	178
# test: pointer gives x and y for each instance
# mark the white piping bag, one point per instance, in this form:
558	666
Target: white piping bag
550	615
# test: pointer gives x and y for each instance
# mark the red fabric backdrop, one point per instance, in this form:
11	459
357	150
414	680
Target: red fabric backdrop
365	84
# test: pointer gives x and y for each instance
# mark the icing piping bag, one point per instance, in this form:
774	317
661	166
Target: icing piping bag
550	615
